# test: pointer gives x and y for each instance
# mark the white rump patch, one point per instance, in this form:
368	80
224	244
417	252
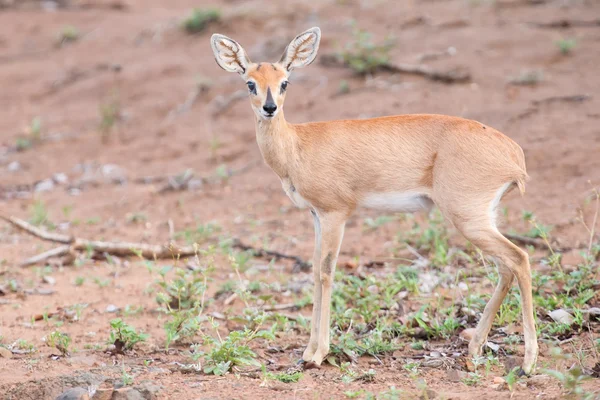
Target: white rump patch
293	194
494	204
397	201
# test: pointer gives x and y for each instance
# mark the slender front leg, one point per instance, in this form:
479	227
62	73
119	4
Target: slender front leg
316	313
490	311
332	226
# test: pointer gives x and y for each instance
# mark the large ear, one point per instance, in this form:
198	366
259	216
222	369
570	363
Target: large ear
229	54
302	50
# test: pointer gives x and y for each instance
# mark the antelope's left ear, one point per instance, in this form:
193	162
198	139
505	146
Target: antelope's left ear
229	54
302	50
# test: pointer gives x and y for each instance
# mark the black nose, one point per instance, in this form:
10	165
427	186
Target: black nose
270	108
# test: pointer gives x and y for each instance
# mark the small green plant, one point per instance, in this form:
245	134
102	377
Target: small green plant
61	341
285	377
200	234
224	354
571	382
68	34
566	46
363	56
126	378
124	336
528	77
39	215
472	379
199	19
110	114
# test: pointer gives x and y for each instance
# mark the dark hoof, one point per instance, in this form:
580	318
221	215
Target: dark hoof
521	373
311	365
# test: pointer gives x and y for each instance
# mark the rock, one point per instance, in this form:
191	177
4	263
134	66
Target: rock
467	334
103	394
463	286
49	280
74	394
5	353
127	393
149	390
455	375
493	346
60	178
44	186
111	308
113	174
561	316
14	166
499	384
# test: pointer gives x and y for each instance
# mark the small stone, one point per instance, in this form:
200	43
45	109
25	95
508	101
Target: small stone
14	166
467	334
49	280
561	316
44	186
111	308
127	393
493	346
74	394
373	289
60	178
435	354
5	353
463	286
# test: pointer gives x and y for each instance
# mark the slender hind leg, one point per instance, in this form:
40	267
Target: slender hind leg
512	261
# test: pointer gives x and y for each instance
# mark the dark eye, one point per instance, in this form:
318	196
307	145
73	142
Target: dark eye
284	85
251	87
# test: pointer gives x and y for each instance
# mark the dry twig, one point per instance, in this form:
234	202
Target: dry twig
457	75
145	250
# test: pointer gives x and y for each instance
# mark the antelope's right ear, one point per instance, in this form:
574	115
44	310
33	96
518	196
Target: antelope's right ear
229	54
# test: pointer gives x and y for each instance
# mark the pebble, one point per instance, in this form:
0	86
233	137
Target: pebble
561	316
14	166
111	308
44	186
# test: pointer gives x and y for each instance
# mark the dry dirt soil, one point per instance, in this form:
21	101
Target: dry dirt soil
167	108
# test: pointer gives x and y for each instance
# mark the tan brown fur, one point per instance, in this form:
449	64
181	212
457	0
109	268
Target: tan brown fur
407	161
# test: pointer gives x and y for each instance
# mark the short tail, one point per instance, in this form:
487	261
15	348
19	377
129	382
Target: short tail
520	182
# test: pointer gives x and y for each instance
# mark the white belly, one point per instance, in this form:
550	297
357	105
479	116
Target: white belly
293	194
397	201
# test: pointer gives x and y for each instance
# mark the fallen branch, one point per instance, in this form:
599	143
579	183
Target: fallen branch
565	23
186	180
577	98
56	252
456	75
298	262
148	251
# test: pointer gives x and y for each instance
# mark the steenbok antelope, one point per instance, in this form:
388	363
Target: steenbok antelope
401	163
